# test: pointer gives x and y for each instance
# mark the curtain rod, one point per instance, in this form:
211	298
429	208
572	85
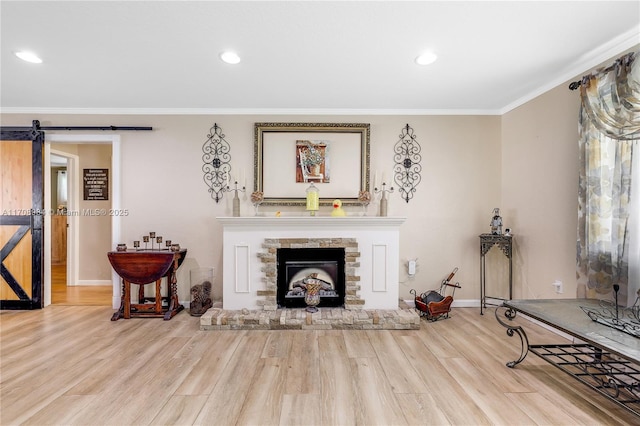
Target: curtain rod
629	57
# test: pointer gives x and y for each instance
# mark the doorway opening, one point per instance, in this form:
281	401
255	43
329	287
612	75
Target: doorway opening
82	275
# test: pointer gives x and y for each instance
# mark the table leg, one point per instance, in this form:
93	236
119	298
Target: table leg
120	312
172	284
158	297
127	300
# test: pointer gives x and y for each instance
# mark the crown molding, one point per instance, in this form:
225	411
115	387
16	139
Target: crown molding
592	59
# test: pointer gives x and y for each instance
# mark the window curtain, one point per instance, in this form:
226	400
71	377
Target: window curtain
609	128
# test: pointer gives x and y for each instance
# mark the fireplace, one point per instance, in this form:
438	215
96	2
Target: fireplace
371	250
297	267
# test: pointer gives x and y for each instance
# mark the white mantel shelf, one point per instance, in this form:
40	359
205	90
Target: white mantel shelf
378	243
273	222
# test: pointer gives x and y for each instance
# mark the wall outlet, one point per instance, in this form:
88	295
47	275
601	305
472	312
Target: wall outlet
557	284
411	267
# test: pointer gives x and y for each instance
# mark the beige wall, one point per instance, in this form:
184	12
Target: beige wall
95	230
539	191
163	189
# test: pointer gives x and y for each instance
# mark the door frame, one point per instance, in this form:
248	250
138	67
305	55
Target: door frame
64	138
73	205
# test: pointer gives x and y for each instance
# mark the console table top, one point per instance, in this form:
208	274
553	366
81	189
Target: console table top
567	315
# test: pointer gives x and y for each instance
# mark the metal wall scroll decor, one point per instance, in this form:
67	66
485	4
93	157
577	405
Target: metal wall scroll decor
217	159
407	168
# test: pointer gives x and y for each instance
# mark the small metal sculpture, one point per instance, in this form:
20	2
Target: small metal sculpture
496	222
217	158
407	159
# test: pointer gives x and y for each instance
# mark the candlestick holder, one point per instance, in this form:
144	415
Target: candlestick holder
236	199
383	198
153	239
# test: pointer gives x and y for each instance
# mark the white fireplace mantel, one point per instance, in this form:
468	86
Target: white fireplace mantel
378	242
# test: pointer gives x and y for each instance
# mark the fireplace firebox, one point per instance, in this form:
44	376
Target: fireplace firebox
297	267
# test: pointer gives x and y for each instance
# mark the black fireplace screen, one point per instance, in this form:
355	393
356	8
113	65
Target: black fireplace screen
300	266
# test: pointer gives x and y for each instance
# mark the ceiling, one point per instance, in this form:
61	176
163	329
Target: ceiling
347	57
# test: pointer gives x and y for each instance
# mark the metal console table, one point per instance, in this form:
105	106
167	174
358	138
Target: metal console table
604	358
505	243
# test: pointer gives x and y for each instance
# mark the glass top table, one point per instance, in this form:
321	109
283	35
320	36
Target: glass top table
568	316
604	358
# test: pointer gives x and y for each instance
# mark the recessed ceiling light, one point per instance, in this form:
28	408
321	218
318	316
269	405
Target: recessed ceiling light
29	57
426	58
230	57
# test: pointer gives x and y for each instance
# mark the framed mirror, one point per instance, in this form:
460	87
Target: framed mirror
288	157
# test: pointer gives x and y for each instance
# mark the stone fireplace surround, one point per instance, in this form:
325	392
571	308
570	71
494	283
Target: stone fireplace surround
249	273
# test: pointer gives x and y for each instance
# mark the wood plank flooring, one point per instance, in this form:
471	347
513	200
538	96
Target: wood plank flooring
71	365
61	294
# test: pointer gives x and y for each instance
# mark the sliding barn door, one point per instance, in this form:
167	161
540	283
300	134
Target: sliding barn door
21	218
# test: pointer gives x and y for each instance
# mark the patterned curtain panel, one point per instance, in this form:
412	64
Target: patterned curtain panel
609	129
611	98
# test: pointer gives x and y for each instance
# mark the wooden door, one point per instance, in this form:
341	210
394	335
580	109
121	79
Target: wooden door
21	218
58	239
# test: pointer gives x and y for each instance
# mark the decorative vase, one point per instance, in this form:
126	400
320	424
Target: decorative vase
312	296
383	204
236	205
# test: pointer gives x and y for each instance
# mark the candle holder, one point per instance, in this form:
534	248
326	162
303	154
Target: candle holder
146	239
236	199
383	198
257	198
364	197
313	199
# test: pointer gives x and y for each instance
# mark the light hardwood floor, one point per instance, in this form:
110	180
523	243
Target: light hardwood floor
61	294
71	365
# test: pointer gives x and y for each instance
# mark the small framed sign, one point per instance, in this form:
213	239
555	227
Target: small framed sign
96	184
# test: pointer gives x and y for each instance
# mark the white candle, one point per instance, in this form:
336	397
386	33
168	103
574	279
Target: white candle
375	180
384	177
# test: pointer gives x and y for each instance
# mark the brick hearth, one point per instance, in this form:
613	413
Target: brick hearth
403	318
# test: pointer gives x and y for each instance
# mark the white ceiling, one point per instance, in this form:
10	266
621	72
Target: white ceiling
302	56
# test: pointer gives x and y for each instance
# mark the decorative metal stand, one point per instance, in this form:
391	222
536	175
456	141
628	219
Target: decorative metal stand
407	158
487	241
217	160
383	198
236	199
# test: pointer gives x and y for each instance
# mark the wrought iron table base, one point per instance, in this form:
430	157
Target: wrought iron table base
608	374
